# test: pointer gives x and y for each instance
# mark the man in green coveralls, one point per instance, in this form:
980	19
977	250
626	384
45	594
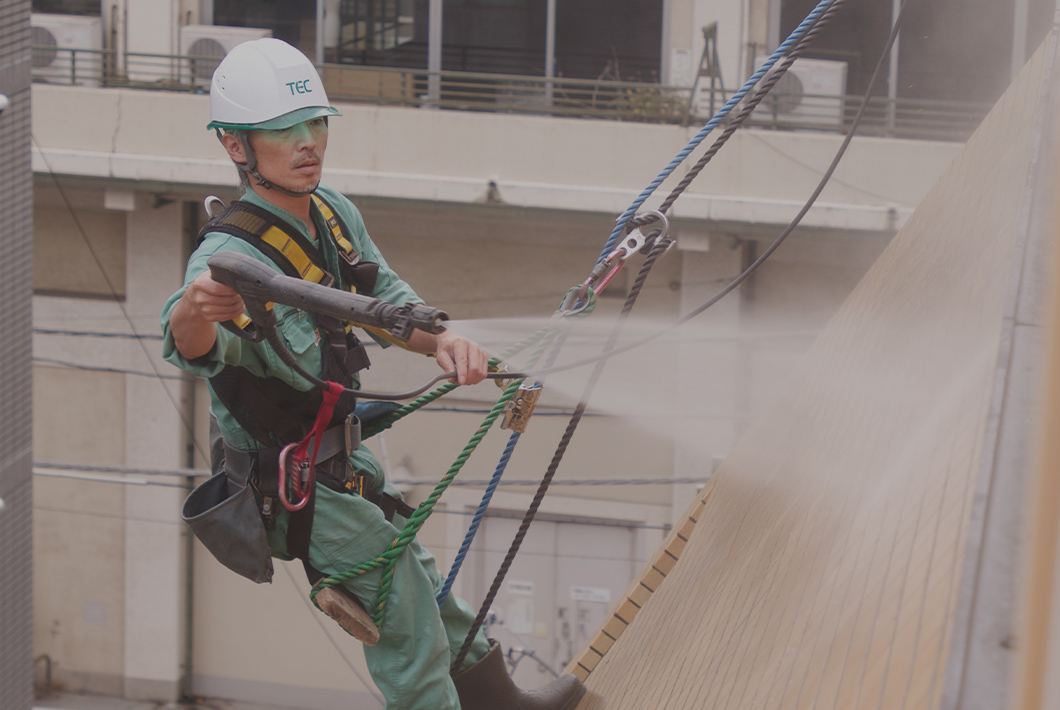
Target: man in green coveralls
271	114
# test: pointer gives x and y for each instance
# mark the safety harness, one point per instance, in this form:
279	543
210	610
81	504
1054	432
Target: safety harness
278	415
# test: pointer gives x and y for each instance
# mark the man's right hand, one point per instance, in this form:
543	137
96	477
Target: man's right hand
213	301
204	304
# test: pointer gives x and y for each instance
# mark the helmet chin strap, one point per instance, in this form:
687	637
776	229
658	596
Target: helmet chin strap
251	168
260	180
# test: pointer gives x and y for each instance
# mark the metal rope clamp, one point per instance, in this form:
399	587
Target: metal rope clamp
609	266
521	408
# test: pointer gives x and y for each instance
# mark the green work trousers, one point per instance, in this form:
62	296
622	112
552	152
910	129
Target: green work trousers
418	641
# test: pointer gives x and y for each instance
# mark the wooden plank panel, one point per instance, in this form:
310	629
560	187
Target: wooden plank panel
821	569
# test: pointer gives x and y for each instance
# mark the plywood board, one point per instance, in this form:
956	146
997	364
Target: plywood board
820	569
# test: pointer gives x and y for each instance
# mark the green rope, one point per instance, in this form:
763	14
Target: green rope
388	558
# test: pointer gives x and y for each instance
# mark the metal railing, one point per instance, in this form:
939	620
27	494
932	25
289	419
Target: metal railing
513	94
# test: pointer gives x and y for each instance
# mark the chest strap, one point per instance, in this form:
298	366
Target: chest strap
296	255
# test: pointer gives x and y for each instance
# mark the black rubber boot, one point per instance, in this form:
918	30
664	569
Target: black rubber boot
487	686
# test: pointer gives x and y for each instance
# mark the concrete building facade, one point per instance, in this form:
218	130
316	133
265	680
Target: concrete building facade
490	216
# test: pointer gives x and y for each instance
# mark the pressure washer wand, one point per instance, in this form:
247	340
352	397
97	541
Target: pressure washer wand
261	287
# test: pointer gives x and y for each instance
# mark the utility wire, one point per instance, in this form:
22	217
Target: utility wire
658	247
120	474
563	482
128	336
114	292
96	334
338	649
119	370
609	351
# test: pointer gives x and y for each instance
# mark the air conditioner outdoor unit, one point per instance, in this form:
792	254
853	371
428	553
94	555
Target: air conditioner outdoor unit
202	47
67	49
810	93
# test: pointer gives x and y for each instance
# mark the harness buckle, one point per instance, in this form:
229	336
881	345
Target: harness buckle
352	430
351	257
268	513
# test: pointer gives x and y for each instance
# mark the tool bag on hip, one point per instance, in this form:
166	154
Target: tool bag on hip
223	513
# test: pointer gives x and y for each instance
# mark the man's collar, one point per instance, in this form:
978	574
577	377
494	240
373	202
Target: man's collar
256	199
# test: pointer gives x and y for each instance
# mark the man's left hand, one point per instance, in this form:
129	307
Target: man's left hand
457	353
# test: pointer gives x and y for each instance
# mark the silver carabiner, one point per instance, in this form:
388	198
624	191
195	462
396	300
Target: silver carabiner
210	199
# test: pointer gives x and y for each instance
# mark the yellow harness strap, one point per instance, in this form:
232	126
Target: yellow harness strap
345	248
293	252
274	236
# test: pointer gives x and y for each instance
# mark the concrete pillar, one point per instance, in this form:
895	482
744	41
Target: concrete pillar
154	534
713	410
151	26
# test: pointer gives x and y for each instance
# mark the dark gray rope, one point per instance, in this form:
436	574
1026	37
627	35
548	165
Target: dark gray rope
750	105
658	248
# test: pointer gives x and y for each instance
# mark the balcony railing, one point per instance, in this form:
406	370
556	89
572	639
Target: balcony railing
507	93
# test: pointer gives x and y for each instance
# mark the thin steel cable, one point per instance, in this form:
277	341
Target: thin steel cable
814	28
814	21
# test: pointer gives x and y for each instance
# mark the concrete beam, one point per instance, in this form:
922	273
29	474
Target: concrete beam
761	177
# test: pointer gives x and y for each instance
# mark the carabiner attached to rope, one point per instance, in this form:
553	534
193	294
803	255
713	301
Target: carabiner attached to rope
636	240
604	272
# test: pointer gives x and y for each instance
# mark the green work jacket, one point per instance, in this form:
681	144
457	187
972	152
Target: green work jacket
298	328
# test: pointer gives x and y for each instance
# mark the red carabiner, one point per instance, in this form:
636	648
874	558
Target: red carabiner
301	449
296	479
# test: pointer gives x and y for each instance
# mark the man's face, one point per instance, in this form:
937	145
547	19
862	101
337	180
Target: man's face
292	158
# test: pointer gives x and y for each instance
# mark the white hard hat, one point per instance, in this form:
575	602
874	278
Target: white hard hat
266	84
